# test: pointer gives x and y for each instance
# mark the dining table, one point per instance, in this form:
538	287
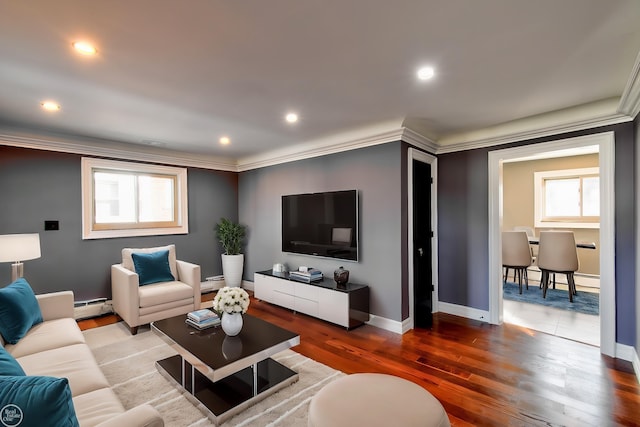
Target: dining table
580	244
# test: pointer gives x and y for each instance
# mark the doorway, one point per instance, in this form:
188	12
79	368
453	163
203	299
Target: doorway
605	143
523	193
422	234
422	241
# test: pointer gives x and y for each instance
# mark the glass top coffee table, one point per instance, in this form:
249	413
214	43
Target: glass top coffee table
225	374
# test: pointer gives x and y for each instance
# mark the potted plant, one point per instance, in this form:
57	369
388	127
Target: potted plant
231	236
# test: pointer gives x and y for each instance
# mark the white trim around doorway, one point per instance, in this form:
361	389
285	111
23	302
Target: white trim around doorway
606	148
420	156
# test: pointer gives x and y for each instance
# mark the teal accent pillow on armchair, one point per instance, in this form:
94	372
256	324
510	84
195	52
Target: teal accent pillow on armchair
34	401
19	310
153	267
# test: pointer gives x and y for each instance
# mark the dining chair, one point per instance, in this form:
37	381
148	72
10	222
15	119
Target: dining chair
558	254
530	234
516	254
526	229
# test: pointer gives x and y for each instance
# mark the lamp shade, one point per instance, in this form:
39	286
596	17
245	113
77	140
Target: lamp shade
19	247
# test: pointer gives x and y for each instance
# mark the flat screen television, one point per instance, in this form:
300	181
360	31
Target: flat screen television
321	224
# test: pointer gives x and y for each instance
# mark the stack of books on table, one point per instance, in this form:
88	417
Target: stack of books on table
202	319
311	275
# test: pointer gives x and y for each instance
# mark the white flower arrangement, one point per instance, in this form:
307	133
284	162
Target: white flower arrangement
231	300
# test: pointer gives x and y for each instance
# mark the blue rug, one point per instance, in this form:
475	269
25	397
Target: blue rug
584	302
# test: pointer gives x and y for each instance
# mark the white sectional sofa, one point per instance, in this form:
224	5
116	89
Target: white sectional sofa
56	348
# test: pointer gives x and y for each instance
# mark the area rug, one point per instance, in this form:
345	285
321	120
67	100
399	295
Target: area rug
128	362
584	302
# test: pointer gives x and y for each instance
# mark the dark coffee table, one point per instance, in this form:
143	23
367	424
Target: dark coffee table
226	374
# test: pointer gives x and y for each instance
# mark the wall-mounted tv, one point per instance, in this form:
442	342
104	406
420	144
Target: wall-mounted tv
321	224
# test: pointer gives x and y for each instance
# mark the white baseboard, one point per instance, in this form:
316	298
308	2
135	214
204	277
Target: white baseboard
386	324
463	311
636	364
626	352
211	285
214	285
247	285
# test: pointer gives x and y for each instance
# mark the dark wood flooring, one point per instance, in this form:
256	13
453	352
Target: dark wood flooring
484	375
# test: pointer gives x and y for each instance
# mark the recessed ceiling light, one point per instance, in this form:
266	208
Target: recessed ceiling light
50	106
291	118
426	73
225	140
85	48
154	142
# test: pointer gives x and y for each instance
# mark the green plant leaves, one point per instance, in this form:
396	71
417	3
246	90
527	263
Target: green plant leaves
231	236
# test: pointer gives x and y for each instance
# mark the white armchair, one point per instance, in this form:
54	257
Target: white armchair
139	305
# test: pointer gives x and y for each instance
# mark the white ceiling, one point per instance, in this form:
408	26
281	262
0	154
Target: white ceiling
180	74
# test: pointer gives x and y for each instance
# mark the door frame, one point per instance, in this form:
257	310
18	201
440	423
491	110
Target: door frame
423	157
606	146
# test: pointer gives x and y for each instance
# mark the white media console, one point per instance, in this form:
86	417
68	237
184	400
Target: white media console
346	305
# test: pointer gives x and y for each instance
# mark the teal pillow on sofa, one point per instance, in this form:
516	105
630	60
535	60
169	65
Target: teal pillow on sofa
34	401
152	267
19	310
9	365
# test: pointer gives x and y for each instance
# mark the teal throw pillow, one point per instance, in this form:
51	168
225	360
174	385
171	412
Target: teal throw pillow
9	365
33	401
152	267
19	310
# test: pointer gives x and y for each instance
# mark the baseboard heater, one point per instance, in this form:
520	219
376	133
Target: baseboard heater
91	308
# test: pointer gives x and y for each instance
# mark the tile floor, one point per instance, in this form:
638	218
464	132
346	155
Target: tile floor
567	324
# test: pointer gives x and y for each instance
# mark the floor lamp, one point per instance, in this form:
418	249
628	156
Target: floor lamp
16	248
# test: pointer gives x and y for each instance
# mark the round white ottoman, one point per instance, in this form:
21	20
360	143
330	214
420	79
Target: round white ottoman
375	400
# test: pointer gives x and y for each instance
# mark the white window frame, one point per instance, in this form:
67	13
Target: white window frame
539	178
89	165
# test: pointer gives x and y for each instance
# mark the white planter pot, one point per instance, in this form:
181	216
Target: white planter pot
232	266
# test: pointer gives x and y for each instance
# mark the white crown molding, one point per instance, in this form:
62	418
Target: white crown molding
602	113
380	134
630	99
116	150
359	138
416	140
578	125
367	137
307	151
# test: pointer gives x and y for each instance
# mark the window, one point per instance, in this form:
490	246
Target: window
568	198
122	199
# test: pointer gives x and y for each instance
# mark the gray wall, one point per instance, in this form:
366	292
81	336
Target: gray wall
377	173
463	226
463	221
40	185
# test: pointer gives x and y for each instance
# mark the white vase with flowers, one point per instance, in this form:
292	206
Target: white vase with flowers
231	303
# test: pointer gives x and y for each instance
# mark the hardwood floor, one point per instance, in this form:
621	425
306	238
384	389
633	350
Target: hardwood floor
484	375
